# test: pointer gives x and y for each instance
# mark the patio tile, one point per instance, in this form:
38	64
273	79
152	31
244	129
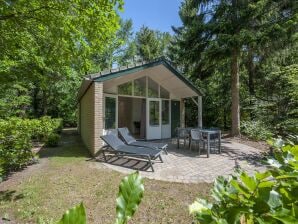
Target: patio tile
185	166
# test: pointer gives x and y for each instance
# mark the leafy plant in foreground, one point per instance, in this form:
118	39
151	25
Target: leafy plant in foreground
76	215
265	197
130	195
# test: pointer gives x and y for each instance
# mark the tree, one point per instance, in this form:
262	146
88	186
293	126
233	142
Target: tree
216	31
151	44
120	51
43	43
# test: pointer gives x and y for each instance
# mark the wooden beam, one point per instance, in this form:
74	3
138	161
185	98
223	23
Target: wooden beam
195	101
182	113
200	120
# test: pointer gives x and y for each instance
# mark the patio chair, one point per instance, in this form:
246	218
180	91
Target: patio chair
196	138
130	140
182	133
116	146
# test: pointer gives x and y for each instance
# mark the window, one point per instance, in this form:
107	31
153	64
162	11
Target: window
164	93
152	88
165	111
154	113
110	113
140	87
125	89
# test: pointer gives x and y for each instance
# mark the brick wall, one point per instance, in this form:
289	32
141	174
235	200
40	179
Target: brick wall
99	116
91	117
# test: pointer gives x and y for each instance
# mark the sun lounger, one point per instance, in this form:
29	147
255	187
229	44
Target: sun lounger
121	149
130	140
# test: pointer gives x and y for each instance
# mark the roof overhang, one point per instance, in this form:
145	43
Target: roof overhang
160	71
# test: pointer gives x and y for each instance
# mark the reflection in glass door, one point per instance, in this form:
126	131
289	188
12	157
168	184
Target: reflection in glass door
165	117
110	112
153	119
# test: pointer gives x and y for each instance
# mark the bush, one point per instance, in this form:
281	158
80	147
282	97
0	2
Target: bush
265	197
42	128
255	130
53	140
16	137
15	143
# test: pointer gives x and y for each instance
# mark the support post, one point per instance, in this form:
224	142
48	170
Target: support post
182	113
200	120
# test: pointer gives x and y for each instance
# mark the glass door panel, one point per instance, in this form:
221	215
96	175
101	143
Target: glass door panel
110	112
165	117
153	119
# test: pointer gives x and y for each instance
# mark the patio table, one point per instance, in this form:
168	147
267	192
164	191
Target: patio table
209	134
213	134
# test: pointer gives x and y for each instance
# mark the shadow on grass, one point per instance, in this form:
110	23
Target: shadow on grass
10	196
70	145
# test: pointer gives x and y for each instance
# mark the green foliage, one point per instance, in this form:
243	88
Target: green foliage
46	47
53	140
16	137
255	130
15	147
265	197
217	36
75	215
152	44
130	194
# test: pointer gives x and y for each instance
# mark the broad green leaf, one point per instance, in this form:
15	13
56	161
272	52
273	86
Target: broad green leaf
274	199
264	175
130	194
240	188
250	182
284	215
265	184
75	215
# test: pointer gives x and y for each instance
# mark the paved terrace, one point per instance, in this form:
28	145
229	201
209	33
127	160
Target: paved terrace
184	165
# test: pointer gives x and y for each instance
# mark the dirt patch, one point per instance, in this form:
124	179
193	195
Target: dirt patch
261	145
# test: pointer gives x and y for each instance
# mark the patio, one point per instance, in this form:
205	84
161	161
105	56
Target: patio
183	165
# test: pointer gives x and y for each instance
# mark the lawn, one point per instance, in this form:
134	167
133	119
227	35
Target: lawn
66	176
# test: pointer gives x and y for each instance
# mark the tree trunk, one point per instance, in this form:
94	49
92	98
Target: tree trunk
235	92
44	103
251	76
35	100
251	73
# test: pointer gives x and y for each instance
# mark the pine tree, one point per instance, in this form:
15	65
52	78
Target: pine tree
214	31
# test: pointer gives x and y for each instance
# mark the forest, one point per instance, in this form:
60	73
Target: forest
242	54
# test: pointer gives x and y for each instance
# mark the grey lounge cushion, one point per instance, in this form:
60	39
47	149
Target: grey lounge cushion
125	134
115	143
130	140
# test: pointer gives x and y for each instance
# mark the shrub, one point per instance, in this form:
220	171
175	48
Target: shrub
15	147
265	197
16	137
53	140
255	130
45	126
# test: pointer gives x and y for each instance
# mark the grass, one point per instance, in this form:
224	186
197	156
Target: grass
65	177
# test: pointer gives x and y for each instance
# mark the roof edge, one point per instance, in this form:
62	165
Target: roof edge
104	76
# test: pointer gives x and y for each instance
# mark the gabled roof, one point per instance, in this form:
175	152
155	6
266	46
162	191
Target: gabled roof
132	68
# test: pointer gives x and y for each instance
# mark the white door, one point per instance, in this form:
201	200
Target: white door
153	119
165	119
